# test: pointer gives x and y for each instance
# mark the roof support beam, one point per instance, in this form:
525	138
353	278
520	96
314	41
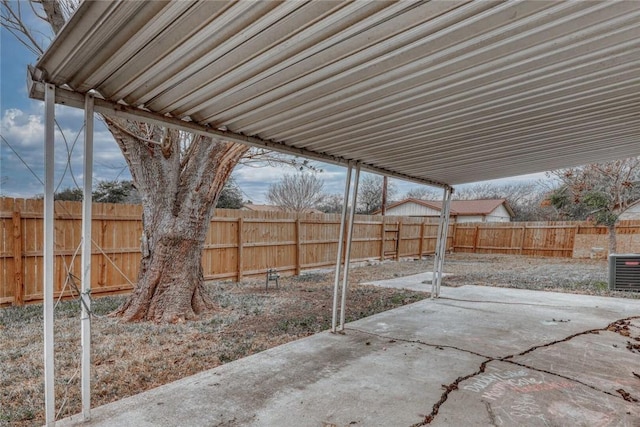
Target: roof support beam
75	99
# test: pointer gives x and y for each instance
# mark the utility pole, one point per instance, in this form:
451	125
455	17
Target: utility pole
384	195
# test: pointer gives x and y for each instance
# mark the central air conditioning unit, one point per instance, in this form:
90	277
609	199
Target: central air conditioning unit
624	272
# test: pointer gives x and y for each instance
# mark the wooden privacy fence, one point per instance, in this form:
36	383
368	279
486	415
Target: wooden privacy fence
553	239
239	244
246	243
116	251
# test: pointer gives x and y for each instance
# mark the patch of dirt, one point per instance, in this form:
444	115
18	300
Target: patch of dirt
129	358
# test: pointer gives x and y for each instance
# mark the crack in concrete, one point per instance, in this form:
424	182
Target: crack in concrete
447	390
437	346
549	344
615	327
492	416
611	327
524	365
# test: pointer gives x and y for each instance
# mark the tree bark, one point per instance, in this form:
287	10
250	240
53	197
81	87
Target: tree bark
53	10
170	284
179	182
613	241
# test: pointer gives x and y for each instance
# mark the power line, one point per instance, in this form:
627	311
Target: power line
22	160
69	152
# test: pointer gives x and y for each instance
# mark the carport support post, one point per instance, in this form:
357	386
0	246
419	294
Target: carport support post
347	186
48	274
85	316
443	224
347	256
445	234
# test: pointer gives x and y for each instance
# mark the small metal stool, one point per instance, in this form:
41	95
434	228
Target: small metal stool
272	275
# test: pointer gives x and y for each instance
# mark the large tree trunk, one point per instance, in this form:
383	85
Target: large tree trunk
170	285
179	182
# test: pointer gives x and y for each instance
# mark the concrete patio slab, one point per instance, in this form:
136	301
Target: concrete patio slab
477	356
369	392
511	319
416	282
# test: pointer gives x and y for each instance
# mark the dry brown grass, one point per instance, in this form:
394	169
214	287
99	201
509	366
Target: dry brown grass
129	358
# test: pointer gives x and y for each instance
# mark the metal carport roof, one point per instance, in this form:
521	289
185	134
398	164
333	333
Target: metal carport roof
440	92
443	92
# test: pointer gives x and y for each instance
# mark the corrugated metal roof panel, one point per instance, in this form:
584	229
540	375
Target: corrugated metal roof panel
450	92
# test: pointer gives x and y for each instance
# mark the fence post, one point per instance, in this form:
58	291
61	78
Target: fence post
344	238
524	235
476	238
382	238
239	260
421	243
18	296
298	248
399	239
453	236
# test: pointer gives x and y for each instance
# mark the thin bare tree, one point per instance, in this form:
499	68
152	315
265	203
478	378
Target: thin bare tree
370	193
297	193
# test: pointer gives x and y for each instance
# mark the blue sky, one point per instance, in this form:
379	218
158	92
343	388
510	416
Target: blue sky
21	127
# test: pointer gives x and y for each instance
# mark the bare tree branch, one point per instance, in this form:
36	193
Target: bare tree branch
370	193
11	19
297	193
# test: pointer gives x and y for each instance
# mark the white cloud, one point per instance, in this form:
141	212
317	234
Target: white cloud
24	132
22	129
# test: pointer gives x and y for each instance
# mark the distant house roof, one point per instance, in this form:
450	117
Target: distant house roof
272	208
460	207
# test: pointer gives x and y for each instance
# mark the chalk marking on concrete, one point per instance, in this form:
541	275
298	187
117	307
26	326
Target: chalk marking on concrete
526	407
559	375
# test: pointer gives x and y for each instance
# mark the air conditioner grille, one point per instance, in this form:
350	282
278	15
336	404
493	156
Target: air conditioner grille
624	272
